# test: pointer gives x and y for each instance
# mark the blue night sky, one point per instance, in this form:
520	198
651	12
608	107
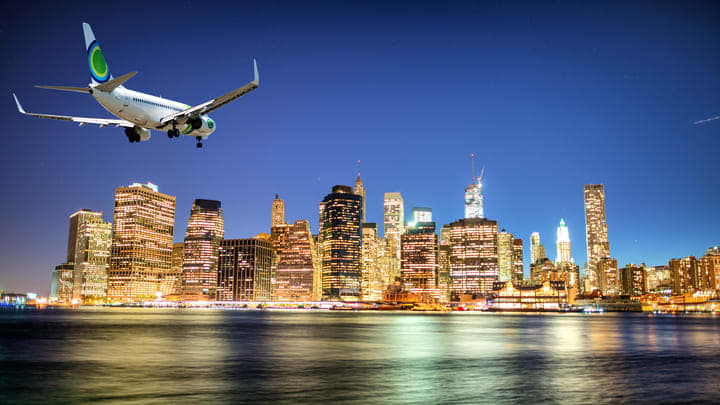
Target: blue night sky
548	95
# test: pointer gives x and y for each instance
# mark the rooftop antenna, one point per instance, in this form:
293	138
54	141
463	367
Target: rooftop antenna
358	166
472	160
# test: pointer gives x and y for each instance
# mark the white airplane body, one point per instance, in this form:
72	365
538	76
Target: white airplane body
139	112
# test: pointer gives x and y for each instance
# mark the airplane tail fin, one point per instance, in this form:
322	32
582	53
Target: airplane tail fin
99	69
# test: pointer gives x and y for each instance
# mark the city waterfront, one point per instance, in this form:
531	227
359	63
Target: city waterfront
141	355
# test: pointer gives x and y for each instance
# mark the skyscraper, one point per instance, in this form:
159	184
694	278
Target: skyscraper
421	214
244	270
278	212
341	238
632	279
204	233
596	231
359	189
473	195
295	276
535	253
473	256
394	222
419	261
518	270
89	241
372	281
143	225
563	243
172	283
505	255
608	270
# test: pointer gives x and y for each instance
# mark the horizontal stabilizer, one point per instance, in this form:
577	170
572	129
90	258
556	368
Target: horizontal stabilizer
67	88
102	122
112	84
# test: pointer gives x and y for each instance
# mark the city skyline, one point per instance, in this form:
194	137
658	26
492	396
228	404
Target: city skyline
613	104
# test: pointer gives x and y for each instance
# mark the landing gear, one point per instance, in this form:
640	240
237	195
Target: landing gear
132	135
173	133
199	144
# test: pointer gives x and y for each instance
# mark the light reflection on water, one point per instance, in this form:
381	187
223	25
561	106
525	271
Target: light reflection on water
189	356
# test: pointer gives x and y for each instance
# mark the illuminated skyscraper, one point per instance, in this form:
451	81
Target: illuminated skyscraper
62	284
89	241
518	265
204	233
359	189
421	214
709	265
341	238
632	279
596	231
563	243
473	256
244	270
536	253
143	225
608	270
278	211
419	261
505	256
394	222
295	276
372	281
474	196
171	284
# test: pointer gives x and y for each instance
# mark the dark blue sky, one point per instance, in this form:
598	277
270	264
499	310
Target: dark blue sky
548	95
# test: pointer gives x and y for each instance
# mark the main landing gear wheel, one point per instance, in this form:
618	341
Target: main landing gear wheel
173	133
199	144
132	135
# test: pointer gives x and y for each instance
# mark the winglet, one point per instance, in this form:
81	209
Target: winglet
257	76
19	107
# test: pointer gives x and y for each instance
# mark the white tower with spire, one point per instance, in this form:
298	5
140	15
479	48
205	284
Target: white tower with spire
563	243
473	194
359	189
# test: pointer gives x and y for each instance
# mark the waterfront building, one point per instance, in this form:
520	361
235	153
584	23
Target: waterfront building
710	267
278	212
394	226
659	279
518	265
341	237
421	214
296	274
419	265
473	195
89	241
563	243
571	272
244	270
633	279
62	285
372	282
545	295
608	271
204	233
596	231
359	189
505	255
143	224
171	285
443	279
535	253
544	269
473	256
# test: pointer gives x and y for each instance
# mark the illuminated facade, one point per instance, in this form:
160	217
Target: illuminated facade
419	261
204	233
608	271
359	189
244	270
171	284
473	196
710	266
596	231
658	278
518	265
535	253
690	274
89	241
632	279
62	286
547	295
394	210
473	256
143	225
505	255
443	280
278	212
563	243
372	282
295	276
341	238
421	214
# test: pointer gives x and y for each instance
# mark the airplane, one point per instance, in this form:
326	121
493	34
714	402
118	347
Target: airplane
140	112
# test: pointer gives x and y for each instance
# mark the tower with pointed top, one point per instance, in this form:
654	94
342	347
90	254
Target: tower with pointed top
359	189
278	211
473	195
563	243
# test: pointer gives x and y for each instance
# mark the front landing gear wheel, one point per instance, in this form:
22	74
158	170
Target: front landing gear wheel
199	145
171	133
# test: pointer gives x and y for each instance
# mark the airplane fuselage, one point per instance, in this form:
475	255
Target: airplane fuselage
147	111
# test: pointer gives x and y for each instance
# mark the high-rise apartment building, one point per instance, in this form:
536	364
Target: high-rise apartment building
341	238
394	214
596	230
278	212
296	274
505	255
690	274
563	243
608	270
204	233
518	265
89	240
143	225
473	256
710	265
244	270
359	189
419	261
632	279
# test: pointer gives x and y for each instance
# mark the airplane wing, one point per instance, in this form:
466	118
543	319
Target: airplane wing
99	121
212	105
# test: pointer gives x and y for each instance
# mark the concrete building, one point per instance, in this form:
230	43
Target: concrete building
204	233
296	274
244	270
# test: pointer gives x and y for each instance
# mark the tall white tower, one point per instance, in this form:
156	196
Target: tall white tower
563	243
473	195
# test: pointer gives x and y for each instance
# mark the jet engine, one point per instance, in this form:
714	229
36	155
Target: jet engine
137	134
